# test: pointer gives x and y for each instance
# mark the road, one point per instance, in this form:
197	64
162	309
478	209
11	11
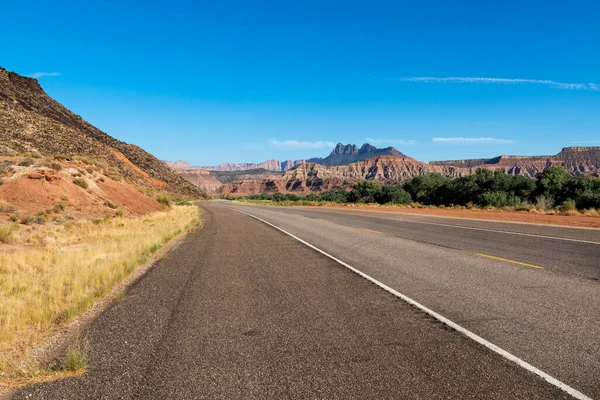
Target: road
242	310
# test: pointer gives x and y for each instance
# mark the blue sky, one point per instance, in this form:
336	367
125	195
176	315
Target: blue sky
233	81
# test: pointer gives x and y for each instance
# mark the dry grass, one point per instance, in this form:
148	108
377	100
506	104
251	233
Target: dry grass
50	275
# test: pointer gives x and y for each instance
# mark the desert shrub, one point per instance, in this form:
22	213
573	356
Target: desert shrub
6	232
27	162
7	207
14	217
81	182
164	199
60	206
110	204
26	219
1	181
55	166
544	202
60	157
40	218
119	213
568	206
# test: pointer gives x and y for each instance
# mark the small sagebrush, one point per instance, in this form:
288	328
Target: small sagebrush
81	182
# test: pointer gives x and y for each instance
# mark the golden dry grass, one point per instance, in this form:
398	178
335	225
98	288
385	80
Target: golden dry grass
49	276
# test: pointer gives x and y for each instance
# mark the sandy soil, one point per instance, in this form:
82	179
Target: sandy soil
507	216
31	190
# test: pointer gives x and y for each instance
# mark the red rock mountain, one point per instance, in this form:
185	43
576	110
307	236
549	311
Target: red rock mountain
312	177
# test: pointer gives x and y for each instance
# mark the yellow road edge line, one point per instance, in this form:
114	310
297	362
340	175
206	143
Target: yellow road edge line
372	231
504	259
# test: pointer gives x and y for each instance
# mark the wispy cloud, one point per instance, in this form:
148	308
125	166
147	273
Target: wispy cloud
585	142
299	144
38	75
390	141
501	81
472	140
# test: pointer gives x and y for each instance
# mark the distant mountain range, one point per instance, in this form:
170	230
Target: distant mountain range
341	155
348	164
386	169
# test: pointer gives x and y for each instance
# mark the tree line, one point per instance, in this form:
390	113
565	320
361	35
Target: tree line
554	187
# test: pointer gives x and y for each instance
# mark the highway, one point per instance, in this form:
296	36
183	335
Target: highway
242	309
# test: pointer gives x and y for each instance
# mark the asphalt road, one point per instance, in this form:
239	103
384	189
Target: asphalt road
241	310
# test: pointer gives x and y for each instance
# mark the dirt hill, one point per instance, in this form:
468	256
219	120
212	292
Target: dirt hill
33	122
54	162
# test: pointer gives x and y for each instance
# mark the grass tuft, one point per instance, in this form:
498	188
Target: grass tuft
76	358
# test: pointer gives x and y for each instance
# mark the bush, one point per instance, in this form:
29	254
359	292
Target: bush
568	206
26	162
40	218
14	217
6	233
81	182
500	200
164	199
60	206
110	204
26	219
394	195
6	207
544	202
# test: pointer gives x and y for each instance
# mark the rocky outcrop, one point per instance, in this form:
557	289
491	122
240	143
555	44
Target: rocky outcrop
31	121
347	154
576	160
202	179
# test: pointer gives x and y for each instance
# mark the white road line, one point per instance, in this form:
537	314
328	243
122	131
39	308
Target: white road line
550	379
480	229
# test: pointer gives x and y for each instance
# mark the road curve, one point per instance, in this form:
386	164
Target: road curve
240	310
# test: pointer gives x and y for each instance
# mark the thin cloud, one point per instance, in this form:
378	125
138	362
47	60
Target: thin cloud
390	141
299	144
472	140
38	75
501	81
586	141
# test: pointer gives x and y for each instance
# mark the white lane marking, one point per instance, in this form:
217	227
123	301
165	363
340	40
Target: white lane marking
478	229
550	379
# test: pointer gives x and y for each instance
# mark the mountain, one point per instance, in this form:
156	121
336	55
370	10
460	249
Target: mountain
311	177
576	160
341	155
347	154
44	146
269	165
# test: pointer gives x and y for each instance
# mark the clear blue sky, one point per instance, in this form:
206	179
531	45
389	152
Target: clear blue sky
232	81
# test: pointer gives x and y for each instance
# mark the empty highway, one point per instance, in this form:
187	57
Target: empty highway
242	309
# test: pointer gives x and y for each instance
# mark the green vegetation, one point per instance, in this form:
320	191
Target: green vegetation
554	188
81	182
